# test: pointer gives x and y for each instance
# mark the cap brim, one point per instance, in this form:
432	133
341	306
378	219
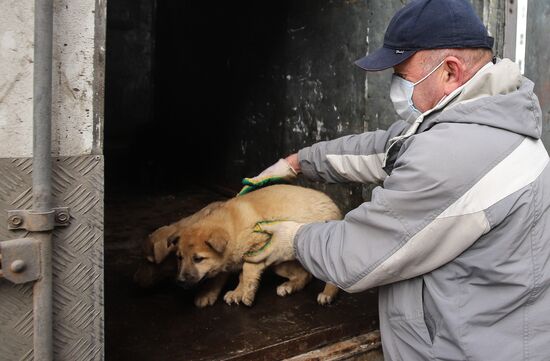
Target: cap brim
384	58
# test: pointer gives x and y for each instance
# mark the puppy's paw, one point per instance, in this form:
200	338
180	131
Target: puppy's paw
234	296
237	296
285	289
248	298
205	299
324	299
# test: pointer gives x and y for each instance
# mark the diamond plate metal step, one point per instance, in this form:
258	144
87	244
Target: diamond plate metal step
77	261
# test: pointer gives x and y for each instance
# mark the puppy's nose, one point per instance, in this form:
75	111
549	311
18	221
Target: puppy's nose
184	276
183	284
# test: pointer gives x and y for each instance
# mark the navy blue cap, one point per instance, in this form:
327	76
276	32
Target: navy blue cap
428	24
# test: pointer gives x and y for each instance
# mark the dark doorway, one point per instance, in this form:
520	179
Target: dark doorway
199	95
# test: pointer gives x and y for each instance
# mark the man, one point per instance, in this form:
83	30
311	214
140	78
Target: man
458	235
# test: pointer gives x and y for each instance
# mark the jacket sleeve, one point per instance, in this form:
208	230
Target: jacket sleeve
353	158
413	225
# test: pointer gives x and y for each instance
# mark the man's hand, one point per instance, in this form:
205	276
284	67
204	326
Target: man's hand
282	171
280	246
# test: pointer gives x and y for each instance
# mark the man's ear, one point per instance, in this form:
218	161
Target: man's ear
172	240
218	242
455	71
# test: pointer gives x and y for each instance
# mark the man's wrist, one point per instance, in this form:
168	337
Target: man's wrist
294	162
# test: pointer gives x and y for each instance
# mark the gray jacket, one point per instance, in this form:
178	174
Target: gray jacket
458	233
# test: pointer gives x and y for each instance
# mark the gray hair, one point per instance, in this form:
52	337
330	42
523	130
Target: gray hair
473	58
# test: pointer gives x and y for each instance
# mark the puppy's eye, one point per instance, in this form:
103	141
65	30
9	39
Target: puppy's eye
197	259
179	256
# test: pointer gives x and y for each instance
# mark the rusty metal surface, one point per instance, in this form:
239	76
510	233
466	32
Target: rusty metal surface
77	261
31	221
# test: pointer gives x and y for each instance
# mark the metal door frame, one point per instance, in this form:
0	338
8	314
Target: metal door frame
65	320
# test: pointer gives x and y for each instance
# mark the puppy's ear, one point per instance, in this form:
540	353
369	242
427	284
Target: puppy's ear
172	240
217	242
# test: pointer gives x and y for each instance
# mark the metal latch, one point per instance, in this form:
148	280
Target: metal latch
38	221
20	260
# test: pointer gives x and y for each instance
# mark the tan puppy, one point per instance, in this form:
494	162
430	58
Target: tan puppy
158	250
215	242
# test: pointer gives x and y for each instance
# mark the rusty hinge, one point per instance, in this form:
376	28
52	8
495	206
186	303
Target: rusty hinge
20	260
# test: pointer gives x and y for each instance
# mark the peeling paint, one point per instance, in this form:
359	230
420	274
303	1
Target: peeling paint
73	78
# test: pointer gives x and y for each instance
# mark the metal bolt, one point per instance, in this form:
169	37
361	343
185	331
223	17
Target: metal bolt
18	266
62	217
15	221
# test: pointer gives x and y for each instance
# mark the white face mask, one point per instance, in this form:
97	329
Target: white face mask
401	93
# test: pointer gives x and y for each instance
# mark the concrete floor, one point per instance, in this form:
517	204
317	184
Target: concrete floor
161	323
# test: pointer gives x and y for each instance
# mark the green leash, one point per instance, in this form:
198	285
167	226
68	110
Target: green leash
250	185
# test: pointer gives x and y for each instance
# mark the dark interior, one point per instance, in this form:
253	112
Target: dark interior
199	95
182	114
